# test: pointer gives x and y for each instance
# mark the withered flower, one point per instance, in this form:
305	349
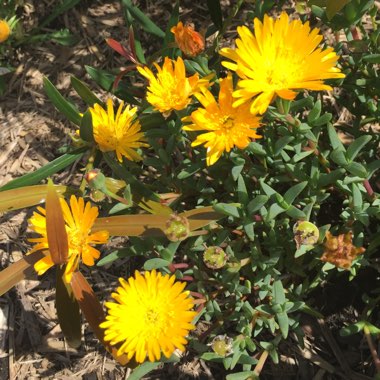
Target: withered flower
340	251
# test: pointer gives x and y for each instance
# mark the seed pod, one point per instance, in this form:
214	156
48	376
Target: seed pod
305	233
177	228
214	257
222	345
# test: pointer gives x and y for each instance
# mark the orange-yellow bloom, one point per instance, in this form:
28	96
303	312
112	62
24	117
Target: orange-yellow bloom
170	89
120	133
5	30
79	219
225	126
152	314
188	40
280	57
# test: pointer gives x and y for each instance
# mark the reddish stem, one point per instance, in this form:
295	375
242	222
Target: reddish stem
197	295
180	266
174	267
368	187
199	301
187	278
355	33
200	308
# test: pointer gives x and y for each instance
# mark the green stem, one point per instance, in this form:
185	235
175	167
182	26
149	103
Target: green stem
89	166
226	24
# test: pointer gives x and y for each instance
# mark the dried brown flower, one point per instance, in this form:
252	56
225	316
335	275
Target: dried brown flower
340	251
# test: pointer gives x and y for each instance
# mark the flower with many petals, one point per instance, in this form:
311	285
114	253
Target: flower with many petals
5	30
170	89
79	219
190	42
225	126
279	58
152	314
120	133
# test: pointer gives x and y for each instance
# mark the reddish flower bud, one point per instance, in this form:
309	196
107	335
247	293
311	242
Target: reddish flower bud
188	40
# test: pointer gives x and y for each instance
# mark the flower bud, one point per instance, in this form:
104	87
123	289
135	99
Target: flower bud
222	345
305	233
214	257
96	179
188	40
177	228
97	195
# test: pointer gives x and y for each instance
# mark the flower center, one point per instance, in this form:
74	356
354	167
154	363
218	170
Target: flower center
77	239
174	98
284	70
152	317
154	322
227	123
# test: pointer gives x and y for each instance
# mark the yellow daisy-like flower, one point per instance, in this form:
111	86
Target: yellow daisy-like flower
5	30
226	126
79	219
280	57
120	133
170	89
152	314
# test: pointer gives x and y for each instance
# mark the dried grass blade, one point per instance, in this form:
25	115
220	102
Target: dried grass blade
152	225
201	217
132	225
55	227
27	196
93	311
19	270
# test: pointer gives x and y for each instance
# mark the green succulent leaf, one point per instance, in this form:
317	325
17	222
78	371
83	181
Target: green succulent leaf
85	93
145	22
62	105
354	149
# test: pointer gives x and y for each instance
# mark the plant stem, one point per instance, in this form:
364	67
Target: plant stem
89	167
261	362
372	348
368	188
199	297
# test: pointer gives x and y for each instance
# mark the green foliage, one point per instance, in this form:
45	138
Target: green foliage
46	171
302	169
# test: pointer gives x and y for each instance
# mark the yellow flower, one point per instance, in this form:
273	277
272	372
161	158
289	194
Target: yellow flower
170	89
5	30
226	126
79	219
188	40
152	314
120	133
281	57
